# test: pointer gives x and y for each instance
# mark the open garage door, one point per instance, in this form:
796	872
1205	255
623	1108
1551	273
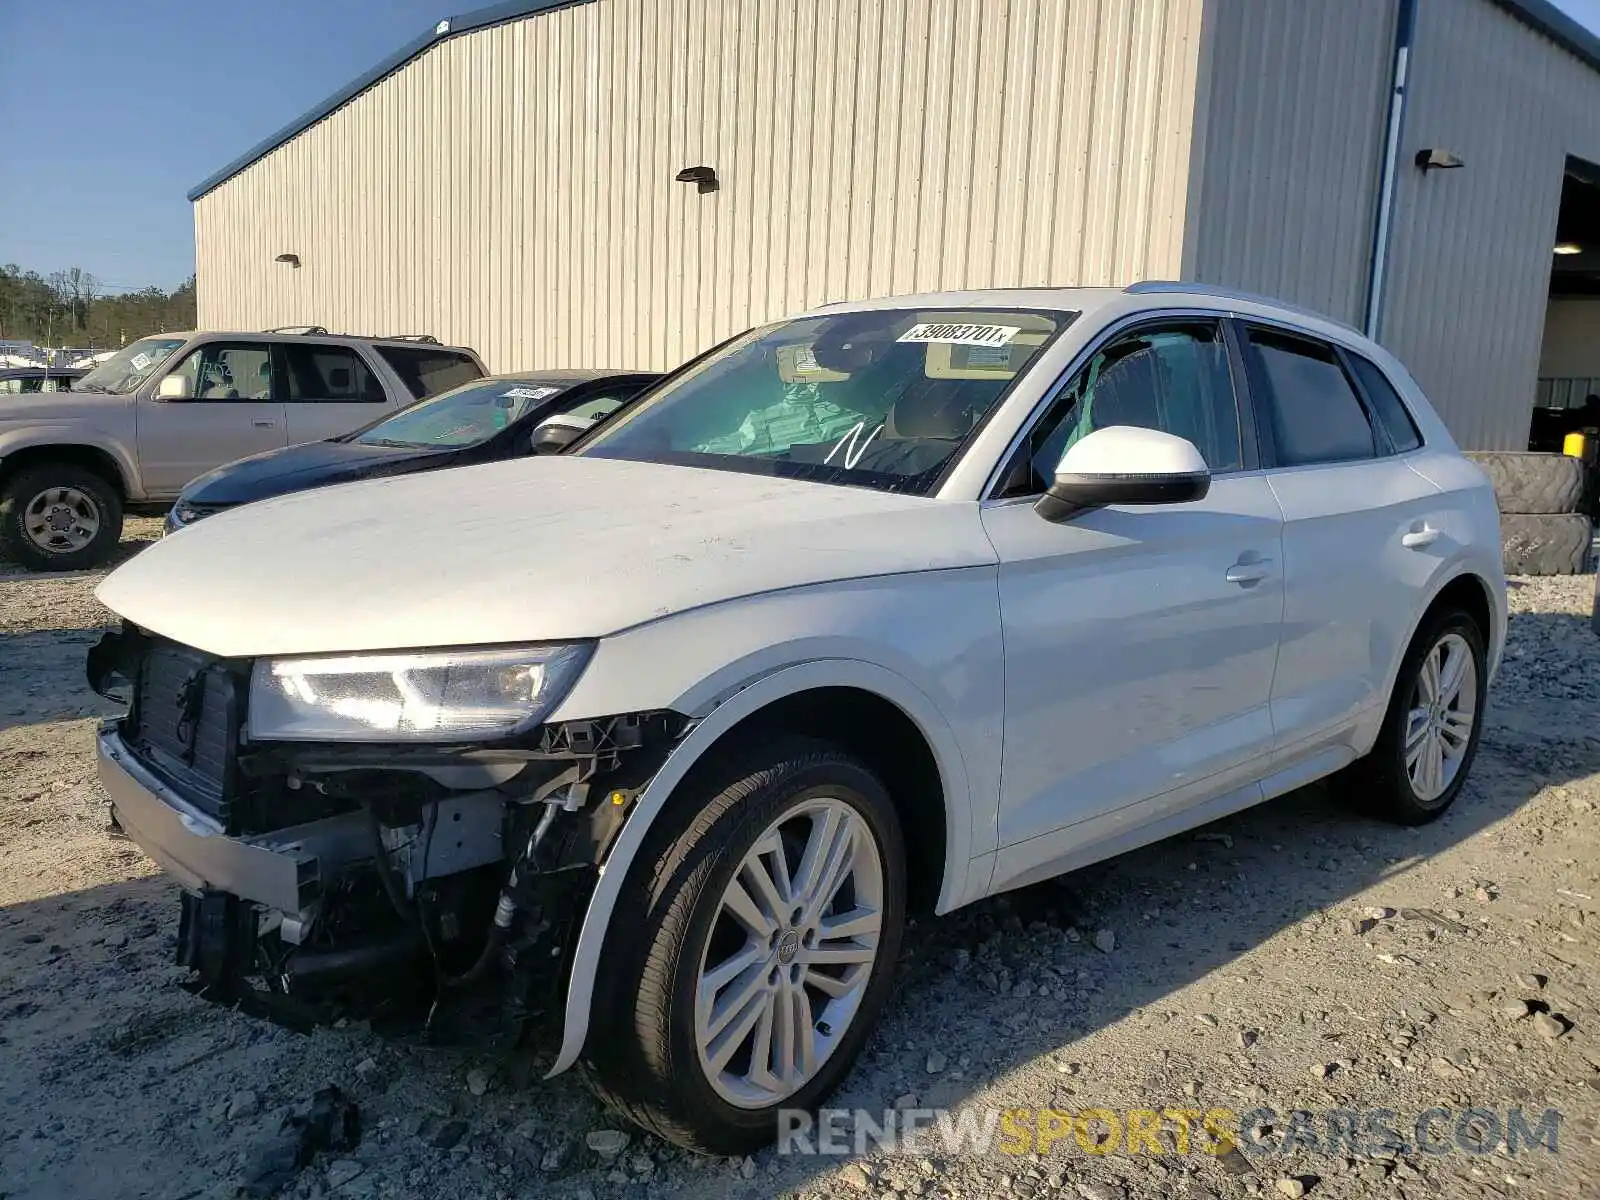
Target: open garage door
1568	396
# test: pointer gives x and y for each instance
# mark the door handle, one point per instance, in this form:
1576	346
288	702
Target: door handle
1246	573
264	423
1420	537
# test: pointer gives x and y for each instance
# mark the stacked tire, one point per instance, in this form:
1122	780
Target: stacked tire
1544	522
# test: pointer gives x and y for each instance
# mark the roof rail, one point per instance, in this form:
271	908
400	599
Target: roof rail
410	337
1217	292
302	330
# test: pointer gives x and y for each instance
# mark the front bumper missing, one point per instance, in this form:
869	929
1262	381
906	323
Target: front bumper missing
284	870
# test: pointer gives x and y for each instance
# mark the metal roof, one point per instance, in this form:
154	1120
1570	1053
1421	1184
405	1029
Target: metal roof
1539	14
478	18
1556	25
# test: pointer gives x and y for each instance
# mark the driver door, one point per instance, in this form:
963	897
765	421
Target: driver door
1139	641
230	406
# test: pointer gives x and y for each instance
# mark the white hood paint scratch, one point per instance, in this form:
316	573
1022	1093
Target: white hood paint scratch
543	549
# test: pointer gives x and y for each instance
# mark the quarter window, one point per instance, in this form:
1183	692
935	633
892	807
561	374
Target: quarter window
1174	378
427	372
332	374
1386	404
1316	415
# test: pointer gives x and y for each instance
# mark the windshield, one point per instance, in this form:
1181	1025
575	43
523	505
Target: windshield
129	367
465	416
880	399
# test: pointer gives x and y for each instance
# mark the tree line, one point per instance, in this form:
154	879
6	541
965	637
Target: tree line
72	308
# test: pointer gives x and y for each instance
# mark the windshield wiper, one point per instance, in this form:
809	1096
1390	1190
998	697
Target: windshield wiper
391	443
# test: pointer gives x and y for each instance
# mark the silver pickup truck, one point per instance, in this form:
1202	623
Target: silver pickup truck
170	407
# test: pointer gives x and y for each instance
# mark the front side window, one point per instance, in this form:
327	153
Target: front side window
1174	378
427	371
125	370
227	371
328	374
884	399
1316	416
464	416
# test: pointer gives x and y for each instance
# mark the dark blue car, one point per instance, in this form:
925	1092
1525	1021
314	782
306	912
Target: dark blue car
482	421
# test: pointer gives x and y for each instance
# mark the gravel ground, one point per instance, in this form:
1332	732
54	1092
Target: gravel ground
1292	957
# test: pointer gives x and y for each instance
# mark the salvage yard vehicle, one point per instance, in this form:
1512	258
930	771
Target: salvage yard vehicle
875	611
166	408
28	381
483	421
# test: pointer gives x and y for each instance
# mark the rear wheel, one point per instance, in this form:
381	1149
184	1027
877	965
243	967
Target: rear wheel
59	517
757	949
1431	730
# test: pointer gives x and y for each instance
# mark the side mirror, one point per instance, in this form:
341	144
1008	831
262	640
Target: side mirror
173	387
1123	464
556	433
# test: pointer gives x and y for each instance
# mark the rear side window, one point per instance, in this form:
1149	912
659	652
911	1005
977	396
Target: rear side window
1386	404
429	370
1316	415
329	374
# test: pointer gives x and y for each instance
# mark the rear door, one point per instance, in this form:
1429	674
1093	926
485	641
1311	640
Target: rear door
329	390
231	407
1359	535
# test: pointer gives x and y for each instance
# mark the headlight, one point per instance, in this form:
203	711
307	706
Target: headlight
441	696
183	514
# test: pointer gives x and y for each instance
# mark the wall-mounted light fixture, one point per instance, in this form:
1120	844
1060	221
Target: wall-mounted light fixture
703	178
1437	160
1565	248
292	259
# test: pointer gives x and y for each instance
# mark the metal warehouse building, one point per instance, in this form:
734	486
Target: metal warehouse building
624	182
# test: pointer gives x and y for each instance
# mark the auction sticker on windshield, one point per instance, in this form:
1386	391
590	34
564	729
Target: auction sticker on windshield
961	335
140	361
533	393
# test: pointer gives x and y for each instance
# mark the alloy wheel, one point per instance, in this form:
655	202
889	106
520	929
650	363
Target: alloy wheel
1440	717
789	953
62	520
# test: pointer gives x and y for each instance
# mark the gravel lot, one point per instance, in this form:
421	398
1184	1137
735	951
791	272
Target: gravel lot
1293	957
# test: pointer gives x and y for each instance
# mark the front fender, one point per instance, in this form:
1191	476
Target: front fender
68	434
757	695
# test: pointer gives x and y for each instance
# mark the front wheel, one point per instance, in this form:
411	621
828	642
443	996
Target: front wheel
754	950
1430	732
59	517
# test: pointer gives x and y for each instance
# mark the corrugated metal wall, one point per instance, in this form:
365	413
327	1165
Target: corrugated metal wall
1288	148
1470	266
1293	100
512	188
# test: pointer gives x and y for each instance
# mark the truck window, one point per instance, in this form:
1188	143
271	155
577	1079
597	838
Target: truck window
428	370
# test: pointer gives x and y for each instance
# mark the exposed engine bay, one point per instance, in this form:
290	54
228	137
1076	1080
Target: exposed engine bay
324	880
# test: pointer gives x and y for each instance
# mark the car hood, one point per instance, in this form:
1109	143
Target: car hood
43	408
293	468
544	549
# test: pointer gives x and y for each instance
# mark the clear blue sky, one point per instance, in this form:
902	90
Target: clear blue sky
124	105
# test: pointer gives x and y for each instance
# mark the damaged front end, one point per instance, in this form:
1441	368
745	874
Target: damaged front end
349	878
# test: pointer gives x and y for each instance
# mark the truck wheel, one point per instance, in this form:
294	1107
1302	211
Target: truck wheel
1430	732
754	947
1529	483
1545	544
59	517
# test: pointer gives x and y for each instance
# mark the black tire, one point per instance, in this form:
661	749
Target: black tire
26	486
1380	783
1552	544
1526	482
641	1055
